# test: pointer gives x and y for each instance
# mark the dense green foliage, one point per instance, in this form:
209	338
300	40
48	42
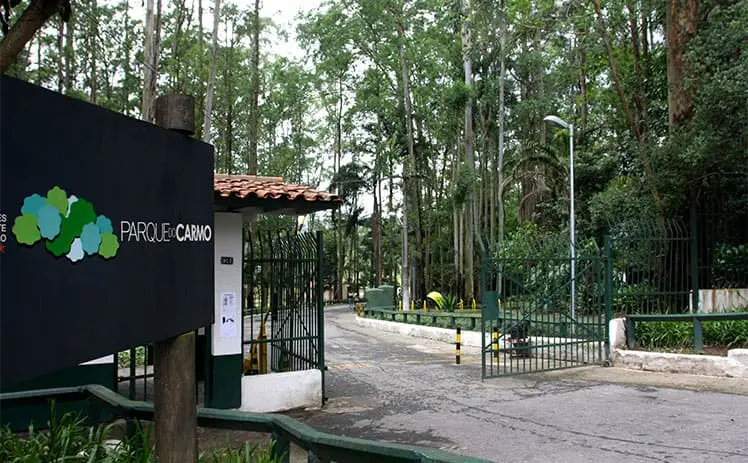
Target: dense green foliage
378	78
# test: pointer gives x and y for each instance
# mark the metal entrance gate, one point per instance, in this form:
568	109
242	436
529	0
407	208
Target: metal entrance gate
530	321
283	303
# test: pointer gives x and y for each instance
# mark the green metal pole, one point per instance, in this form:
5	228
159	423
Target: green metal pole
321	311
608	293
483	318
694	260
698	336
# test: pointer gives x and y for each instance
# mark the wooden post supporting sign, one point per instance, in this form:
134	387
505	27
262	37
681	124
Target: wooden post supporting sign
175	408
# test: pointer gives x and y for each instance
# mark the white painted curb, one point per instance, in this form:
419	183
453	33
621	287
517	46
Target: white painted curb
735	365
575	351
469	338
731	366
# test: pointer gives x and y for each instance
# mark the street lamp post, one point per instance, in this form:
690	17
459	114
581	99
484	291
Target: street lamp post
572	222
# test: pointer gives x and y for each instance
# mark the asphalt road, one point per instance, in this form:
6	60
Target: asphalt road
401	389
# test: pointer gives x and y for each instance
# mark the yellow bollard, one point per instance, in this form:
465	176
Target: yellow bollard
496	343
474	305
461	305
424	306
252	368
457	344
412	305
263	360
399	306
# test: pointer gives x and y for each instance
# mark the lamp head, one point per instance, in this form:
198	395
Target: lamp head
556	120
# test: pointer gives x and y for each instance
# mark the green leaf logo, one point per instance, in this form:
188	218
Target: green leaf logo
68	225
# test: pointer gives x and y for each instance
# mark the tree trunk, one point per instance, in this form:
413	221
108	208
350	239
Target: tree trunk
254	116
416	188
125	108
149	73
680	21
501	116
32	19
60	57
69	55
180	13
336	168
229	116
456	219
471	220
408	162
583	85
376	232
208	114
92	38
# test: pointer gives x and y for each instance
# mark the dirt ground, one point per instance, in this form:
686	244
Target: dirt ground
209	439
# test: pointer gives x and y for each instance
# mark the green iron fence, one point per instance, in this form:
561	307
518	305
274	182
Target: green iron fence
670	266
283	300
105	405
134	372
654	267
530	321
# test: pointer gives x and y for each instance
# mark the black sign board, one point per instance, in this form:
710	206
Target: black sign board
227	260
106	232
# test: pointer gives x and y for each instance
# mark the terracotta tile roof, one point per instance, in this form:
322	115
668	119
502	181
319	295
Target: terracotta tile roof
255	186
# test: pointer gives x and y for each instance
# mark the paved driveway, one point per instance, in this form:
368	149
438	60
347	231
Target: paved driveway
407	390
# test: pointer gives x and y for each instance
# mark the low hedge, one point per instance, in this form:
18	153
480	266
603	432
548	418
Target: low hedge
728	333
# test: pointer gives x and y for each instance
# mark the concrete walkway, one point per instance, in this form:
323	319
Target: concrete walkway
401	389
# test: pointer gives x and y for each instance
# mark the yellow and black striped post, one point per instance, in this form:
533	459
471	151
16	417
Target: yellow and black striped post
262	363
496	343
457	344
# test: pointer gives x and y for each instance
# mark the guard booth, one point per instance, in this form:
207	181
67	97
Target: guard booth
272	357
265	351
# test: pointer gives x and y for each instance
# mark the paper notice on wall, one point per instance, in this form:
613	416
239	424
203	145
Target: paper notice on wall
228	315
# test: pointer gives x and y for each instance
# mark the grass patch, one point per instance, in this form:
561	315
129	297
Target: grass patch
731	334
69	439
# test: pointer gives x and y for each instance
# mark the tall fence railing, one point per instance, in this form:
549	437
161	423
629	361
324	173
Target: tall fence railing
673	266
283	306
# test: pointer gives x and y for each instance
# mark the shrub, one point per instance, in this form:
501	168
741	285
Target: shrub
728	333
123	358
69	439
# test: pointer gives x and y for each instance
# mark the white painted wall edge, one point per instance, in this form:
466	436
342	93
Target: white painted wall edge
469	338
733	366
277	392
100	361
227	340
